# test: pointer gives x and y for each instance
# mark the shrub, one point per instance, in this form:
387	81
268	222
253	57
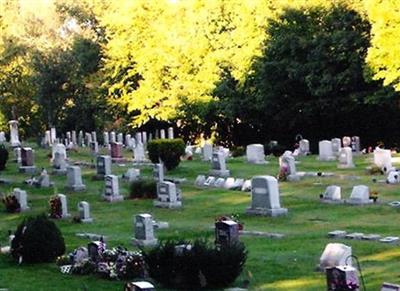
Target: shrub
169	151
55	207
3	157
199	266
11	203
238	152
37	240
146	189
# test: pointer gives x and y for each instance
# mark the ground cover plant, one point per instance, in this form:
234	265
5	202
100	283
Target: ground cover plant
272	264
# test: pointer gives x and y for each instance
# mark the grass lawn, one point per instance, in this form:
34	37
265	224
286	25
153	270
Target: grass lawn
273	264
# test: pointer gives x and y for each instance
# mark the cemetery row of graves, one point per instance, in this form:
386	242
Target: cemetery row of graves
118	216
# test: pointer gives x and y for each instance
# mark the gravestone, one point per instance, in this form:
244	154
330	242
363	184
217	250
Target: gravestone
27	161
14	138
88	138
168	195
138	153
162	133
229	183
158	172
336	145
359	195
53	135
59	164
393	177
332	194
144	138
68	137
219	183
345	158
339	276
22	198
289	162
84	212
200	180
106	139
17	155
116	152
94	136
255	154
383	158
390	287
73	138
111	189
64	206
2	137
304	147
139	286
47	138
112	137
131	175
346	141
226	233
355	144
218	166
170	132
265	197
207	151
60	148
128	140
144	230
120	138
335	254
246	186
139	138
210	181
239	182
44	180
325	151
94	148
81	141
74	179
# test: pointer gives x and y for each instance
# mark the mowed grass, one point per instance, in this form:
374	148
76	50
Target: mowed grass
273	264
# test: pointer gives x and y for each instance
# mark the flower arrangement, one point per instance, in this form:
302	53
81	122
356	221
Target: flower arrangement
374	195
234	217
55	207
11	203
283	173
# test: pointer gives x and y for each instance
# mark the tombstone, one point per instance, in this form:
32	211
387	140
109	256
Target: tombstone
120	138
116	152
255	154
265	197
219	183
139	286
14	138
226	233
69	137
96	250
359	195
2	137
17	155
246	186
64	206
210	181
22	198
144	138
383	159
139	138
289	162
27	161
335	254
43	180
84	212
158	172
345	158
162	133
390	287
59	164
332	194
336	145
325	151
128	140
74	179
170	133
47	138
112	137
304	147
168	195
94	136
340	276
106	140
53	135
73	138
393	177
111	189
81	142
131	175
207	151
94	147
229	183
88	138
218	166
200	180
355	144
346	141
144	230
239	182
138	153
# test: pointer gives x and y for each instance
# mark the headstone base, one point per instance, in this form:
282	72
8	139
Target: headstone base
161	204
219	173
66	216
59	172
27	169
27	208
331	201
144	243
87	220
267	212
114	198
346	166
76	188
291	178
359	202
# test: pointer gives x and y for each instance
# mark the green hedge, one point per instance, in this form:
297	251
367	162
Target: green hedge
169	151
146	189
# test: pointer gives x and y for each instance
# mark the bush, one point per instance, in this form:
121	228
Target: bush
238	152
169	151
145	189
37	240
3	157
11	203
199	266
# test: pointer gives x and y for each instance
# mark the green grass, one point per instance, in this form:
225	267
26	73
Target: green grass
273	264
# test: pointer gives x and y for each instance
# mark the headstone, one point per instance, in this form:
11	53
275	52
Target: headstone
226	233
162	133
246	186
27	161
332	194
64	206
168	195
359	195
106	139
22	198
304	147
346	141
144	138
111	189
88	138
74	179
103	166
210	181
255	154
81	141
47	138
128	140
207	151
289	161
116	152
59	164
239	182
131	175
390	287
94	136
138	153
342	278
53	135
336	145
383	158
345	158
139	138
43	180
17	155
84	212
265	197
14	138
94	147
219	183
2	137
73	138
170	132
144	230
60	148
229	183
218	166
200	180
69	137
335	254
325	151
139	286
393	177
355	144
120	138
112	137
158	172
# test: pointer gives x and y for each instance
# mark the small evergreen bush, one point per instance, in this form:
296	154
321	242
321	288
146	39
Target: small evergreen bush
238	151
3	157
37	240
175	265
145	189
169	151
11	203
